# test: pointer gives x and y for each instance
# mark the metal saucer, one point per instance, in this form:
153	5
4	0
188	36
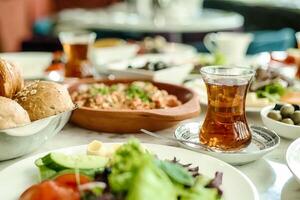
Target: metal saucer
263	142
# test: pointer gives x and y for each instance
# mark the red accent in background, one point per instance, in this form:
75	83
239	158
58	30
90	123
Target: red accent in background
18	16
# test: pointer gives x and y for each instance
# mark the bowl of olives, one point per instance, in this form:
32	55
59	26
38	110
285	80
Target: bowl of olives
284	119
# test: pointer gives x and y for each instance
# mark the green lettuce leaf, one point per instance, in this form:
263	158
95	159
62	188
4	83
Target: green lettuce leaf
151	183
124	165
198	191
273	92
176	172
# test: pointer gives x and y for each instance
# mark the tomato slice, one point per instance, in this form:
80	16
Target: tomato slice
31	193
69	180
50	190
63	187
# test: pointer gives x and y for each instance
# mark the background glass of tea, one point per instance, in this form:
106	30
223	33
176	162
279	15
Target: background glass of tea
225	126
76	46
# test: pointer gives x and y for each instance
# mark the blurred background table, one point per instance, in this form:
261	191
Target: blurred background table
117	20
270	175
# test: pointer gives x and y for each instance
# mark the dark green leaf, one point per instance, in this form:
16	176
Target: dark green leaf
176	172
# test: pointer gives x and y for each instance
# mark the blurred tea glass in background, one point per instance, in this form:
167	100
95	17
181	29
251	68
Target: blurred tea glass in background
76	46
225	126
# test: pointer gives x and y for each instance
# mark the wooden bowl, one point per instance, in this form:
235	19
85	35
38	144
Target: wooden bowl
131	121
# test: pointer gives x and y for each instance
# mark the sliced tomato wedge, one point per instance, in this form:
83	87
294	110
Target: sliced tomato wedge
63	187
50	190
69	180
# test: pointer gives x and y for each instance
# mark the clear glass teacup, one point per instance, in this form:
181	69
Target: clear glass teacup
225	126
76	45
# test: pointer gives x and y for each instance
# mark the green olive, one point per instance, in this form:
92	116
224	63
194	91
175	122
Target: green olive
275	114
288	121
296	117
287	110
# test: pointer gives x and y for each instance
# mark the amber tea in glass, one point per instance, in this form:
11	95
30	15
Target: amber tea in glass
76	46
225	126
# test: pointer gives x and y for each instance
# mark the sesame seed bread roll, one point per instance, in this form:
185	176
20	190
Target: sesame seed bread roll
12	114
42	99
11	80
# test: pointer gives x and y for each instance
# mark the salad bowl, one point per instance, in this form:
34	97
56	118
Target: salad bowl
131	121
16	142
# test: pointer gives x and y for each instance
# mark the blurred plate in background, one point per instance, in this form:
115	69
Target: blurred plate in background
32	64
103	55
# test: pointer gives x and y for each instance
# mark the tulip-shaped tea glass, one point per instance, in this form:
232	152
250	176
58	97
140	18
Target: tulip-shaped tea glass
225	126
76	46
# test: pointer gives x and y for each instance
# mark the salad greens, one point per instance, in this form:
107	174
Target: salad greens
141	175
132	173
273	92
148	180
125	164
176	172
198	190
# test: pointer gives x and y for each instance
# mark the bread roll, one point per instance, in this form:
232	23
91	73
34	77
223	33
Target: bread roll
43	99
11	80
12	114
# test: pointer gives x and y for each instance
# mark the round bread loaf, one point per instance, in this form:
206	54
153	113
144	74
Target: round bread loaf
11	80
12	114
43	99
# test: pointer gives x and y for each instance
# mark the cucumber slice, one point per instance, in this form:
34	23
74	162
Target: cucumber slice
46	173
60	161
39	162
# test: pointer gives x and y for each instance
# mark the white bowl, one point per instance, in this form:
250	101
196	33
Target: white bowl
173	75
179	69
284	130
104	55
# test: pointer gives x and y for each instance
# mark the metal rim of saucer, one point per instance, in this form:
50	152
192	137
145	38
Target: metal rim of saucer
264	139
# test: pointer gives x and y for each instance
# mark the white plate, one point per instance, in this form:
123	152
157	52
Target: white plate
199	87
263	141
19	176
32	64
293	158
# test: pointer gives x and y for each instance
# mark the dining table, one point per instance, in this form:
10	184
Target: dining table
270	175
175	30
